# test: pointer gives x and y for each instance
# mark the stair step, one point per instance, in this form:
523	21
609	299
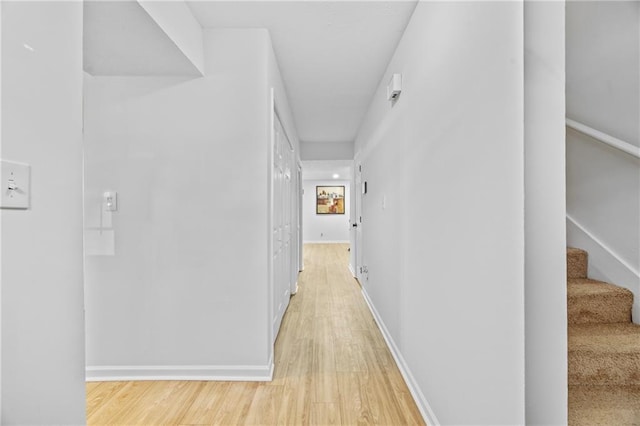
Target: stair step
604	405
591	301
604	354
577	261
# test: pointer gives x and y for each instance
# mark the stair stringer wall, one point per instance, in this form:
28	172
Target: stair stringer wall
604	263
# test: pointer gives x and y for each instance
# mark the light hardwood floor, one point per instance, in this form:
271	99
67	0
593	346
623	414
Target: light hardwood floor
332	367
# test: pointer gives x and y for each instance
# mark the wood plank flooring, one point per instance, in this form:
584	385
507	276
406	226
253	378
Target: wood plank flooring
332	367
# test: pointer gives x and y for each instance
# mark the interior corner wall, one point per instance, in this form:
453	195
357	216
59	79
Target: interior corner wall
183	262
42	294
274	80
545	236
443	218
603	184
325	228
178	23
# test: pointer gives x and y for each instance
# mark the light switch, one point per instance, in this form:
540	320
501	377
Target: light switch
15	185
110	200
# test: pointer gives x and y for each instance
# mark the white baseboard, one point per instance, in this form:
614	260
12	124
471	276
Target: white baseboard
351	270
427	413
604	263
248	373
328	242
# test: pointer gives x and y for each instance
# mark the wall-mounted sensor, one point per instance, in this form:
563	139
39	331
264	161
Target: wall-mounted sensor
394	88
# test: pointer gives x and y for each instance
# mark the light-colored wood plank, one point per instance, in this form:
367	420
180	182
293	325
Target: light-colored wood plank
325	414
117	409
332	366
99	393
354	404
265	405
236	404
207	404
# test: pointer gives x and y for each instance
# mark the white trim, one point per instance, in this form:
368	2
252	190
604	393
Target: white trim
270	189
351	270
328	242
425	409
604	246
604	263
604	138
295	291
250	373
2	214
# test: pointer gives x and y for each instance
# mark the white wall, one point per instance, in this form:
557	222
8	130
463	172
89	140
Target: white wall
327	151
443	218
325	228
603	184
42	296
274	80
545	242
189	157
177	21
0	217
603	44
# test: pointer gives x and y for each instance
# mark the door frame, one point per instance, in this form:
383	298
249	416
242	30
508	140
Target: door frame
294	206
357	196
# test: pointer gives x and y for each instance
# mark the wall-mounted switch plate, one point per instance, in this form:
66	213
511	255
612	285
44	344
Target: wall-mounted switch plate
15	185
110	199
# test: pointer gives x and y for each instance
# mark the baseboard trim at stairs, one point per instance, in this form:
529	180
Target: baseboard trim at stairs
604	263
248	373
425	409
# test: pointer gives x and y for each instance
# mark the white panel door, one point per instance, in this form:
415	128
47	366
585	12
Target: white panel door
278	178
283	205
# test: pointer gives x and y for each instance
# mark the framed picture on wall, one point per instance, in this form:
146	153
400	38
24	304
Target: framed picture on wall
330	200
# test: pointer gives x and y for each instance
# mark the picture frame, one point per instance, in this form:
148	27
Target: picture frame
330	200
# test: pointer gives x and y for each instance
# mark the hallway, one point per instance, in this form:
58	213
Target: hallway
332	367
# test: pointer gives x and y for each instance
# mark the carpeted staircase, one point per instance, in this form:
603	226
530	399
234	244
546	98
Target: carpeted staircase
604	349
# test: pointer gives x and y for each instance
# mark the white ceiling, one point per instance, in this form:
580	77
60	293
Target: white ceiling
120	38
332	54
325	169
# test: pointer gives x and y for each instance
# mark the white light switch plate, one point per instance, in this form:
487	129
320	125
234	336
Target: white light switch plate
15	185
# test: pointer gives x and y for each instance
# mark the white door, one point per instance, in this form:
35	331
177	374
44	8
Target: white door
283	157
278	225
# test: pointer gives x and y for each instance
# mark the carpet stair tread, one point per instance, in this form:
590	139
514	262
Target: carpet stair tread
577	262
605	338
603	349
604	354
604	405
591	301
